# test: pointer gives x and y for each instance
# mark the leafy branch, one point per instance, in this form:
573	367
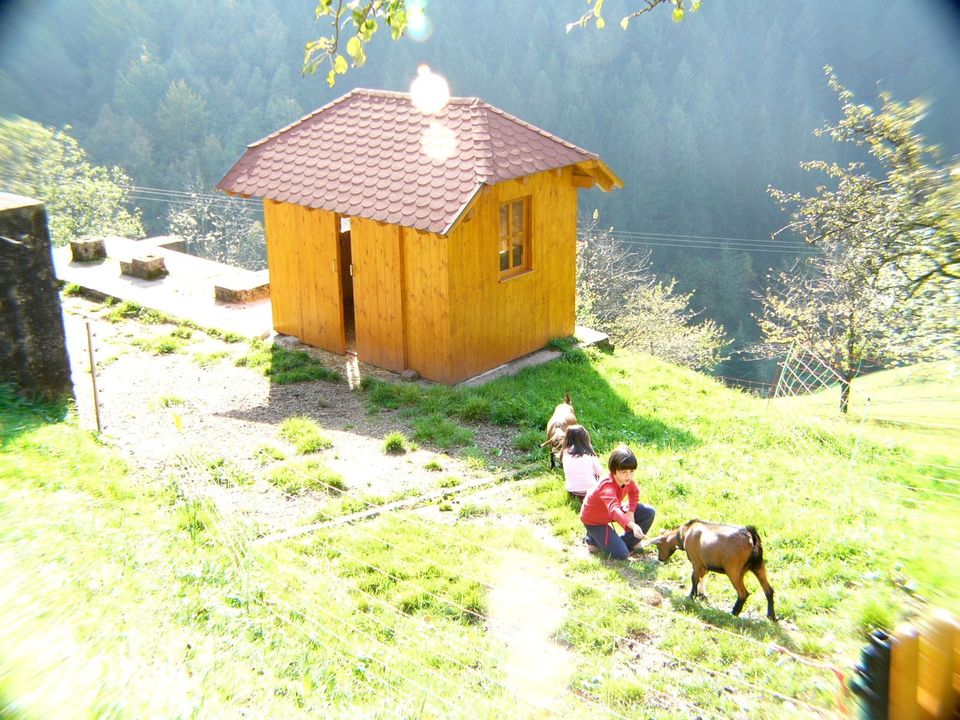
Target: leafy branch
361	21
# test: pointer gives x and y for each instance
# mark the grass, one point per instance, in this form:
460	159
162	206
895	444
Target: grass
202	466
284	366
305	435
298	477
442	432
161	345
167	401
857	516
130	310
206	359
266	454
396	443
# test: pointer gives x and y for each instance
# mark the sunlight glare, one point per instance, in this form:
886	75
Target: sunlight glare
429	92
438	142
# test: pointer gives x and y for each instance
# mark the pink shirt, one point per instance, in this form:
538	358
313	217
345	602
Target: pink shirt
581	472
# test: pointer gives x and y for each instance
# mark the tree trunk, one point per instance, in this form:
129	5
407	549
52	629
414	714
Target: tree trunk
845	395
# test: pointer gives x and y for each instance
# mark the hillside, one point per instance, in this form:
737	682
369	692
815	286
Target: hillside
144	584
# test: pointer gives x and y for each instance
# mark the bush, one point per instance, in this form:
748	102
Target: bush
395	443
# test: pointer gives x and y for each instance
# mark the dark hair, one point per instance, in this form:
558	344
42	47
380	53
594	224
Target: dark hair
576	441
622	458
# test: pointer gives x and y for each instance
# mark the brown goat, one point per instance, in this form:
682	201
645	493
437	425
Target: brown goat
710	547
557	425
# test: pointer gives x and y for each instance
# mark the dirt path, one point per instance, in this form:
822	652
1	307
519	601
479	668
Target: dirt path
526	607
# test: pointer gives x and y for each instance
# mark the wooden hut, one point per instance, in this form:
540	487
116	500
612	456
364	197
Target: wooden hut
442	243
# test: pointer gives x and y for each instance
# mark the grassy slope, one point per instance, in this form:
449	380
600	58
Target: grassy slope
130	600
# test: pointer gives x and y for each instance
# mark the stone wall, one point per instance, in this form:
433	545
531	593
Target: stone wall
33	352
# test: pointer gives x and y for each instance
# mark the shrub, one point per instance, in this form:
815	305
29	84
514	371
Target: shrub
433	466
395	443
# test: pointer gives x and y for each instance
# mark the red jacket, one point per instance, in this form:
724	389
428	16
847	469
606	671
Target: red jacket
604	503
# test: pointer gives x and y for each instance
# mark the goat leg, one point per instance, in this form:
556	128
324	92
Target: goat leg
736	579
761	573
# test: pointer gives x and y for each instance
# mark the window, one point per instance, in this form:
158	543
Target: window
514	237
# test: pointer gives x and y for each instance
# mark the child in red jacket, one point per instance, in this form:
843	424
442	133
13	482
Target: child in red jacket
604	504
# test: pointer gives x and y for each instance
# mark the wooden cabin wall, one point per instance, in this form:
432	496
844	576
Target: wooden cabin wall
378	293
494	321
427	304
305	290
401	298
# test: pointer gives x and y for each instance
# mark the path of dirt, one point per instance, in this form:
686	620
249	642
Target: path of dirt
526	607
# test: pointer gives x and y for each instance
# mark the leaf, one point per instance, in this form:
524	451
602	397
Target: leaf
625	22
596	214
340	65
354	47
677	14
331	78
601	23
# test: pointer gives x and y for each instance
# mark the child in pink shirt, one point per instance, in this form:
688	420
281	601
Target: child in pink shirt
581	468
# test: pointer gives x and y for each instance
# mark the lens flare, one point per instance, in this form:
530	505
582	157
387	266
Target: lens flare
419	27
429	92
438	142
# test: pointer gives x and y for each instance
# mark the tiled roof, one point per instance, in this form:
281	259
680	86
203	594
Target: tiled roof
371	154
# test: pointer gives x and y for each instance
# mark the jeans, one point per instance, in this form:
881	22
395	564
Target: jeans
619	546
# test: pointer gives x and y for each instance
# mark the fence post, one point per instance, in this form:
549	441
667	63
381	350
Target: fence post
93	377
904	673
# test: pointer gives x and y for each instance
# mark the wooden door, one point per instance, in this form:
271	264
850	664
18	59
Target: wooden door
322	288
306	291
378	293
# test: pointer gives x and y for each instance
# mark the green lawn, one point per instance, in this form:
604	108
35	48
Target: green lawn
130	600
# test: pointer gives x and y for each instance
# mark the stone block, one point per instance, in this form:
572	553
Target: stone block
241	292
88	249
145	267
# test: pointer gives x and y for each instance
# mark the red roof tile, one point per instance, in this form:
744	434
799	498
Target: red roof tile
372	154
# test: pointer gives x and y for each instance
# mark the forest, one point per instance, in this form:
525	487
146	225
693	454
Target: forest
699	118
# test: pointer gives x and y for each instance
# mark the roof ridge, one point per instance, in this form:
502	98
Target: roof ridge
376	92
357	91
479	126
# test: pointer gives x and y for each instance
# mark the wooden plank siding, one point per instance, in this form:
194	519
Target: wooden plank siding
494	321
378	293
427	305
303	257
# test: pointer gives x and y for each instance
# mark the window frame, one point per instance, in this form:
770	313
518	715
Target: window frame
525	265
